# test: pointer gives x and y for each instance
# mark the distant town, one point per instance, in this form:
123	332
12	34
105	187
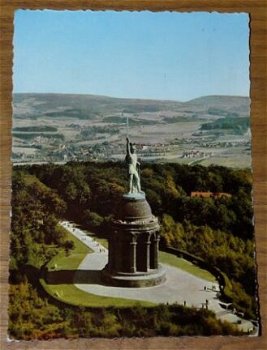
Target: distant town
168	132
51	150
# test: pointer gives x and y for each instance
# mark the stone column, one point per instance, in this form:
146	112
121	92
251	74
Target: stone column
132	255
147	266
154	252
156	247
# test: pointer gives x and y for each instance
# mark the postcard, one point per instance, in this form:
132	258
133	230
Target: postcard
132	209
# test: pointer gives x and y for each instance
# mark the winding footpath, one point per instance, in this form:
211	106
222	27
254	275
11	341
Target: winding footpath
180	287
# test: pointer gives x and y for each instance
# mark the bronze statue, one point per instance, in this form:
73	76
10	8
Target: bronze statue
133	168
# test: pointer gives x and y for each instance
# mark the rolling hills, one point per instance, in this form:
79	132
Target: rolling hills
91	106
63	127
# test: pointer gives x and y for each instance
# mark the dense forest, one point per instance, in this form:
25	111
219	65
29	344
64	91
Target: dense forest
218	229
238	125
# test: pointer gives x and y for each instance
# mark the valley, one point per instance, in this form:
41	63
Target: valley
60	128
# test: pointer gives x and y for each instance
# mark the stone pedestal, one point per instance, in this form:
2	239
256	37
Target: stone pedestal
133	245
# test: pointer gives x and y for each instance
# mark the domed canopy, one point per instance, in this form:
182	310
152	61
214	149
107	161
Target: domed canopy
132	209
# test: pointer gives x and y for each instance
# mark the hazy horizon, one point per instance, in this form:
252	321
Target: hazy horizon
126	98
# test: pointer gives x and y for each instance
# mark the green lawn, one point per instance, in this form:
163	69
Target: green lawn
173	260
72	261
102	241
70	294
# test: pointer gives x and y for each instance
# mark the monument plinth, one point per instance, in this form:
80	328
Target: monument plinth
134	244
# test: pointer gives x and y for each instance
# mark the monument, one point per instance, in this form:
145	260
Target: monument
134	237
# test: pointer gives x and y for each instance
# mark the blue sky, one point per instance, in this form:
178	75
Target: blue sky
164	55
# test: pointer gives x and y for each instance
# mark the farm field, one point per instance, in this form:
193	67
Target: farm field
62	128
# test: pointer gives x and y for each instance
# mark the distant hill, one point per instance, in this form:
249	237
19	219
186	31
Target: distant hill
238	104
91	106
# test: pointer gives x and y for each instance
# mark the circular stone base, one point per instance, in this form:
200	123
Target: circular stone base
134	196
135	280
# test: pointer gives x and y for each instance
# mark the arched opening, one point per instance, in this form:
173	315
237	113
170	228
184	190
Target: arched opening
153	252
141	254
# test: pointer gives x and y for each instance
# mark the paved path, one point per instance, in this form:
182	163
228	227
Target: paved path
89	241
180	286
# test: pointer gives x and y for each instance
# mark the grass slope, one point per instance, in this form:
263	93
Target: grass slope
70	294
73	260
172	260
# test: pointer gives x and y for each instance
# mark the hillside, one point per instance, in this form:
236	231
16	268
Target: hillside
91	106
64	127
78	105
237	104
